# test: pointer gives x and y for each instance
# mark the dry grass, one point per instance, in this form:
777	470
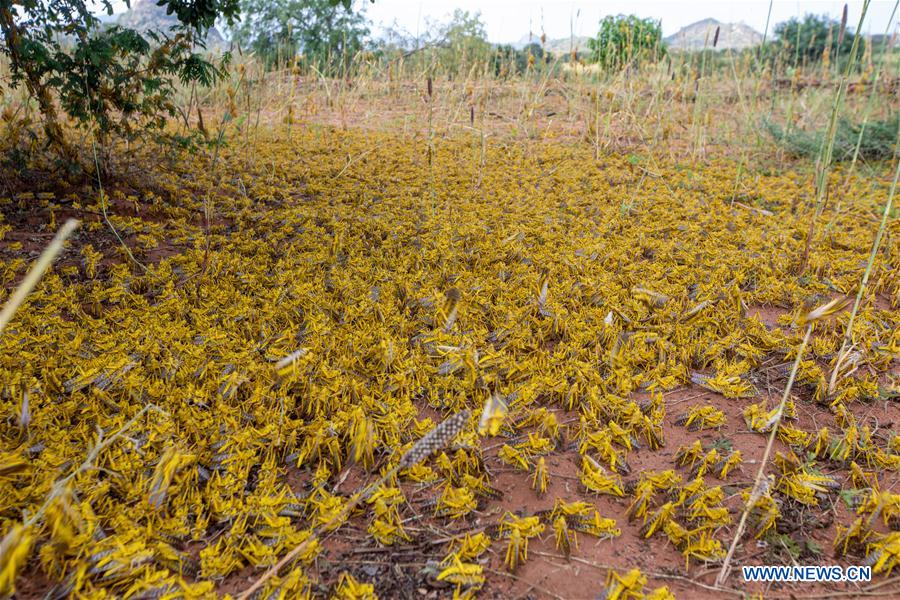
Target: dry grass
667	109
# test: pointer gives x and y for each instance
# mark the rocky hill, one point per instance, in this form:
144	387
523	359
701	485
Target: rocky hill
145	15
734	36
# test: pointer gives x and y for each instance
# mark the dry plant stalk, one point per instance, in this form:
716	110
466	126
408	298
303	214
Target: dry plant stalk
434	440
809	319
846	345
89	461
867	112
16	544
823	163
760	474
36	272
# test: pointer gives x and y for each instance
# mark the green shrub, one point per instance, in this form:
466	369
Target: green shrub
623	40
327	32
878	141
811	39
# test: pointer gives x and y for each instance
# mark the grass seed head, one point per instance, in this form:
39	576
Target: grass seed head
437	439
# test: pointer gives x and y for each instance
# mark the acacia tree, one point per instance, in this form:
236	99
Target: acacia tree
623	40
809	40
455	44
464	37
325	31
116	77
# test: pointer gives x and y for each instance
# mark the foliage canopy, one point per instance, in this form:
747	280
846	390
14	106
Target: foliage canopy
461	41
623	40
809	40
325	31
114	76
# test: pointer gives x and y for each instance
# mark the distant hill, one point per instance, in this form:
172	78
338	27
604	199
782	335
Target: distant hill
734	36
145	15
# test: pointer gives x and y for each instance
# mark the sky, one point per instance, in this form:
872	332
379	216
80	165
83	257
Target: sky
511	20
